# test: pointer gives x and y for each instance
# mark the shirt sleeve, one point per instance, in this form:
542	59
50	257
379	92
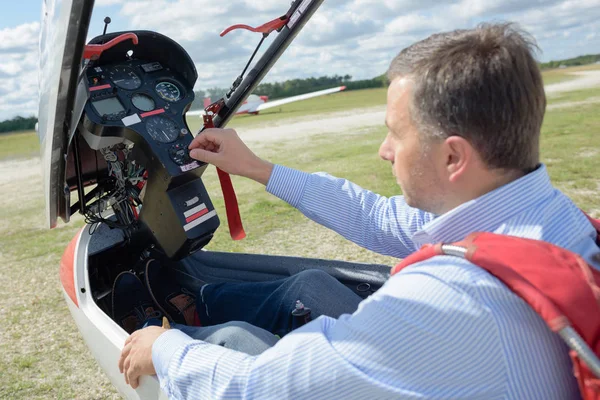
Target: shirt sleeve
377	223
417	337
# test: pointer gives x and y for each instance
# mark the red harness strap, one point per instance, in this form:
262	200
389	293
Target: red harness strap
234	220
556	283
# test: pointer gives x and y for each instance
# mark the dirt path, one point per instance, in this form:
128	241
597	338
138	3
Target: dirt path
584	80
334	123
18	170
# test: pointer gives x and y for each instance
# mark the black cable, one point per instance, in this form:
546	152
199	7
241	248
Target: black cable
240	78
253	54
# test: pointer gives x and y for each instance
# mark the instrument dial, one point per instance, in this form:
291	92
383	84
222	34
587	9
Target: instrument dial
168	91
142	102
125	78
162	129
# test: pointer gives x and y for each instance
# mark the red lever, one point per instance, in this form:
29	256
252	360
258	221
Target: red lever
93	51
265	29
234	220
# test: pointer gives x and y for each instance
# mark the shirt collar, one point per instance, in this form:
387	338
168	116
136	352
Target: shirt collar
486	213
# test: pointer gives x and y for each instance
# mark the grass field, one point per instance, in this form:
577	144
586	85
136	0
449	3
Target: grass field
42	355
19	145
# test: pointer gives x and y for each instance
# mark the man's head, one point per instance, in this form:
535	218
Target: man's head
464	112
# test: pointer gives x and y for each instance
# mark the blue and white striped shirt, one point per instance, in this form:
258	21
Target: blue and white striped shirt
442	328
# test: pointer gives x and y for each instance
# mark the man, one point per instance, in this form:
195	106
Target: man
464	112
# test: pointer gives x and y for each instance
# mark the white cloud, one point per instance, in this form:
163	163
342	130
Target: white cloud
104	3
20	38
18	70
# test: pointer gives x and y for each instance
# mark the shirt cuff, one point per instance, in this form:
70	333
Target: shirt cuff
164	348
287	184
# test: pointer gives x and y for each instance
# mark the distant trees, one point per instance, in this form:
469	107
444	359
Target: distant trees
571	62
294	87
18	124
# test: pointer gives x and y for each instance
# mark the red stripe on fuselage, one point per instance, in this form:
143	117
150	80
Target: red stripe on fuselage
196	216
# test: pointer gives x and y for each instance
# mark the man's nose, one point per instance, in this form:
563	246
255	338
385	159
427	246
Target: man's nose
385	150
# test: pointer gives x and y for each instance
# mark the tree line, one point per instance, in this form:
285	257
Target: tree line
572	62
294	87
18	124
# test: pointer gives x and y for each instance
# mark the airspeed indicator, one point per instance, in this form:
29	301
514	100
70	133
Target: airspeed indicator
168	91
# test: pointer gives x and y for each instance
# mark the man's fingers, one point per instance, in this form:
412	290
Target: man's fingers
135	382
124	354
126	374
207	136
133	376
127	365
203	155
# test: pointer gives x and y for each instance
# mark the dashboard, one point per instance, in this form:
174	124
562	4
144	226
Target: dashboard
146	97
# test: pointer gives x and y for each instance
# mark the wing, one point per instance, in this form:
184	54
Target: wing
277	103
194	113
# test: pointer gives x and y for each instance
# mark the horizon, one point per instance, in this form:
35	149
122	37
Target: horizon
353	37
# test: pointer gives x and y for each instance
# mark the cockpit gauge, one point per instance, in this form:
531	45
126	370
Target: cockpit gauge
162	129
124	77
168	91
142	102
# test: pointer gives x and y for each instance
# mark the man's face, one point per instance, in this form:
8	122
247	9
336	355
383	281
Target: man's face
414	164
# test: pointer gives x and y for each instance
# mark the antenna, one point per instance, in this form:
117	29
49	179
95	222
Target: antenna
106	22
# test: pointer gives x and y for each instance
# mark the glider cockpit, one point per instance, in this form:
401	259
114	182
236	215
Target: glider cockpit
135	117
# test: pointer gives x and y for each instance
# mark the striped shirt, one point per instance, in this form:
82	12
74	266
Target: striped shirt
442	328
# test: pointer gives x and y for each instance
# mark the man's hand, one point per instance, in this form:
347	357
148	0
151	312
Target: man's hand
224	149
136	357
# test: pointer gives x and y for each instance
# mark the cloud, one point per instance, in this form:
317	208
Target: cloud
105	3
18	70
19	39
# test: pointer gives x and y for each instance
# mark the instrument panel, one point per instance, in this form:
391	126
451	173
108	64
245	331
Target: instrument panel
148	98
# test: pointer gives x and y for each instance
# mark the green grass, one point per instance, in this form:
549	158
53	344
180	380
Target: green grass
577	95
19	145
571	151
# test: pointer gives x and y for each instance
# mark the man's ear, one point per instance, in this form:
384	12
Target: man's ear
459	157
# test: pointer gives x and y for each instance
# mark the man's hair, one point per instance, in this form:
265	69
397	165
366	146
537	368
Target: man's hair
482	84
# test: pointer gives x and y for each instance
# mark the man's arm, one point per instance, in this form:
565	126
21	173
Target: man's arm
417	337
384	225
380	224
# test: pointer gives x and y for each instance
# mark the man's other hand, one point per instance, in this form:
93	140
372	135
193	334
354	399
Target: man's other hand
136	357
225	150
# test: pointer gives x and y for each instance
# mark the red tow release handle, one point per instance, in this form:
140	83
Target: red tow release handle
234	220
265	29
93	51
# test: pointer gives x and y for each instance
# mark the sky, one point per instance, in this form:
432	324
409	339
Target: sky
355	37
